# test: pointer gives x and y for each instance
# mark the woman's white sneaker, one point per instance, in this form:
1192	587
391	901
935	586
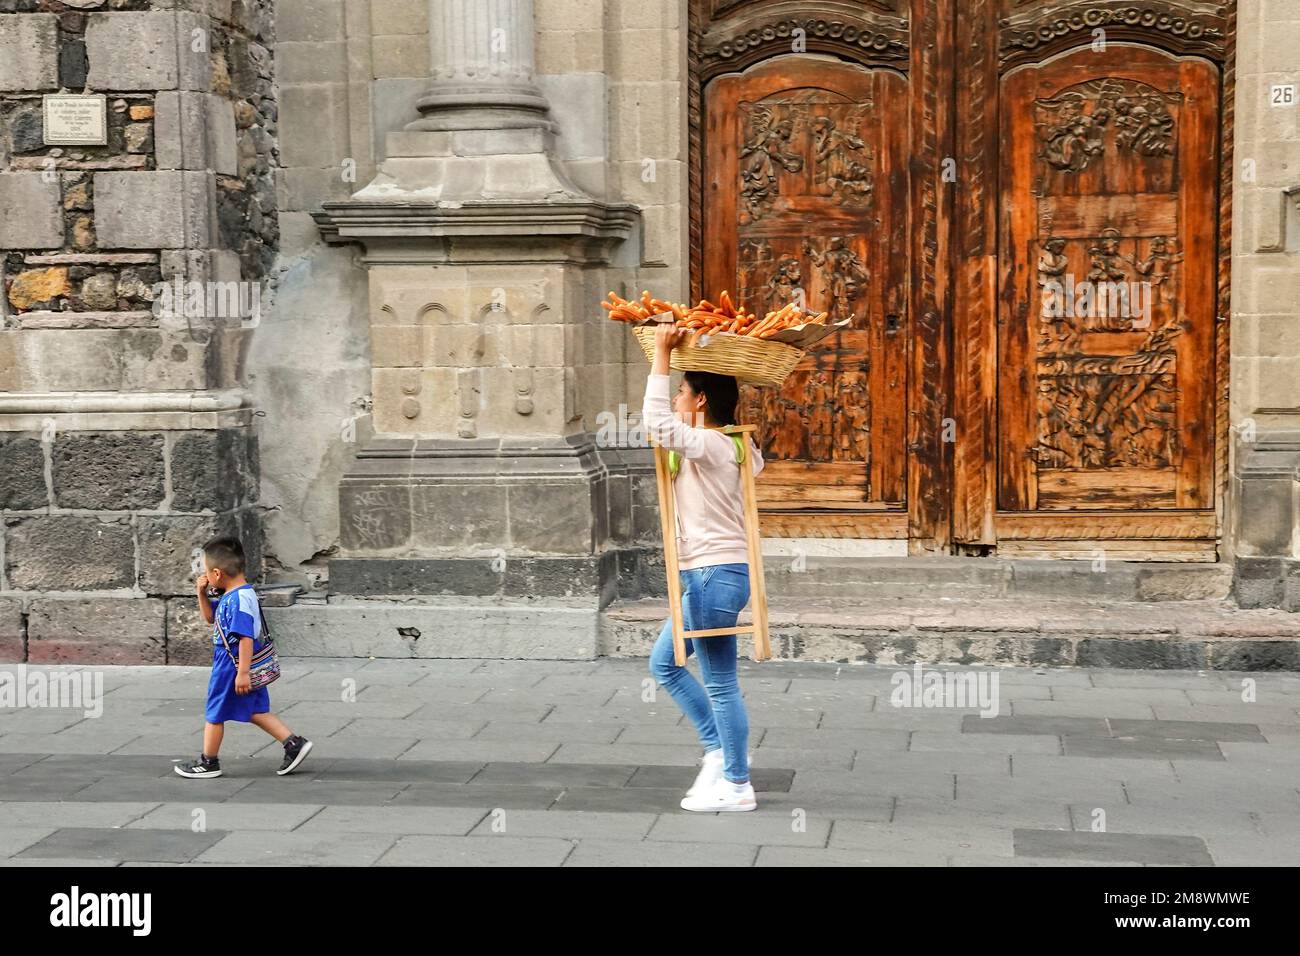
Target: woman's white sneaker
710	773
723	797
713	765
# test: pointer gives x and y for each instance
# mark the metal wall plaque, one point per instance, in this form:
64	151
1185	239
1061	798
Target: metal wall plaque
74	120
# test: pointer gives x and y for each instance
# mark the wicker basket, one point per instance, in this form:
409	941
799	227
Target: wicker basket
756	361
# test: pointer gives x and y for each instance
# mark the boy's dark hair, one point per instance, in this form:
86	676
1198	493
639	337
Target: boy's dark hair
721	391
225	554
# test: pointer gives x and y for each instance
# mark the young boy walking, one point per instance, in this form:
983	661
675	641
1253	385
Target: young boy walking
238	616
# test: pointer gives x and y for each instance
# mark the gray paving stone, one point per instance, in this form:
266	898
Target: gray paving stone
756	827
1096	791
1106	678
482	797
1139	848
1081	707
176	846
661	734
797	856
1033	861
1185	730
1170	818
307	710
549	730
1030	725
920	783
162	789
1248	794
451	692
763	779
1257	713
60	862
15	788
371	747
935	721
813	759
92	766
686	754
236	745
925	741
516	713
418	669
573	825
1231	696
1110	768
941	761
15	839
399	771
835	738
591	697
982	812
1124	695
524	751
58	744
558	775
830	805
449	821
604	853
293	789
1240	850
11	763
901	837
1142	748
299	849
664	711
552	668
226	817
56	815
190	708
31	721
620	799
499	850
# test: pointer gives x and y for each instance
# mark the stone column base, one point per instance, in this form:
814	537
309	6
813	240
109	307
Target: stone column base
1265	526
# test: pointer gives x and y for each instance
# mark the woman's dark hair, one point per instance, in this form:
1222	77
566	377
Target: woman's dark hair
721	392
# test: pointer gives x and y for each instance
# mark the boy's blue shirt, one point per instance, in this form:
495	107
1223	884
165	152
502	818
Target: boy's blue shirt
239	615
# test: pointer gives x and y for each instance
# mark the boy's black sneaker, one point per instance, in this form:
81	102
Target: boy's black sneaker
203	767
296	750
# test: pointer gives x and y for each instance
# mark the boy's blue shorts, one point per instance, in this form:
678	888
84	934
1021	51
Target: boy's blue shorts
223	703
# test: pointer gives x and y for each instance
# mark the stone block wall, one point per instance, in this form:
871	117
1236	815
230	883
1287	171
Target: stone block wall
1263	504
126	436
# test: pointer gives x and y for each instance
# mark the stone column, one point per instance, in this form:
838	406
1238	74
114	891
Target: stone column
482	479
481	62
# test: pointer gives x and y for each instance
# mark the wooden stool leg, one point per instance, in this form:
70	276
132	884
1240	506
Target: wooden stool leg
668	524
757	583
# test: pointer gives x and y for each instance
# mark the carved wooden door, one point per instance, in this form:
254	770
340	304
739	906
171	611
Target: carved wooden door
1091	266
806	200
1024	205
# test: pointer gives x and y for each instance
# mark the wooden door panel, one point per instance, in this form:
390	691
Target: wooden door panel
1106	325
805	193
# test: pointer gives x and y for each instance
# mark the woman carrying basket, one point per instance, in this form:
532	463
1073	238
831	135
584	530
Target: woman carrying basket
713	555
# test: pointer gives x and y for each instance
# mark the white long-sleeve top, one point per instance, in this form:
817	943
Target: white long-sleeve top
707	492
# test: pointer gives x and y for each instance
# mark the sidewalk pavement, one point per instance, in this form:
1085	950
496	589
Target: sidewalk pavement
550	763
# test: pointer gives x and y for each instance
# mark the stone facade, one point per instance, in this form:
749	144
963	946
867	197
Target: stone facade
126	433
1263	527
417	410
